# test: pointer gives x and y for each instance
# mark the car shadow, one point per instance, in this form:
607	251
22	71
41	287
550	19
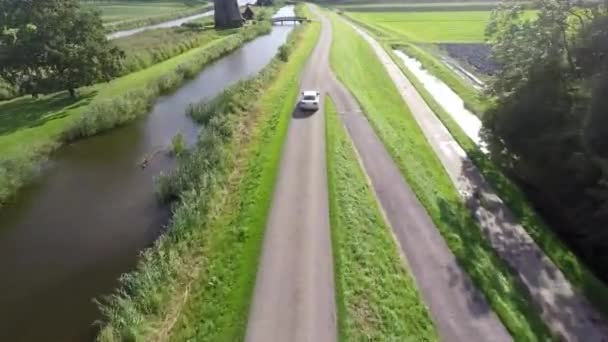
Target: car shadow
299	113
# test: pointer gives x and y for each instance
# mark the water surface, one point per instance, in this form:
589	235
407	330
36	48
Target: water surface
446	97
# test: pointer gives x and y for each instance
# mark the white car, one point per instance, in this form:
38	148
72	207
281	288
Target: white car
310	100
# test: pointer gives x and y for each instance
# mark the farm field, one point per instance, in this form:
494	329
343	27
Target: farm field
419	7
113	12
429	27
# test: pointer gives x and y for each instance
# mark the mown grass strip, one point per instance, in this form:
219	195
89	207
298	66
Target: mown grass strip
376	296
367	79
472	98
32	128
202	273
572	267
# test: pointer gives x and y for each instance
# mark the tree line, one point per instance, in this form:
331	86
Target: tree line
52	45
548	124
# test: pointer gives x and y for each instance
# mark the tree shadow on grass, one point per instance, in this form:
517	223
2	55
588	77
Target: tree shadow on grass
472	257
28	112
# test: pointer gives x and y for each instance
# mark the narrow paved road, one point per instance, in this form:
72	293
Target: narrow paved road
457	307
294	292
563	308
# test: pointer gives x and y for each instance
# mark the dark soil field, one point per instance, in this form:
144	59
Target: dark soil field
476	55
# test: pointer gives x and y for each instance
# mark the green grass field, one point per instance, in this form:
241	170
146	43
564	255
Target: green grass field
117	11
377	298
419	6
430	27
389	115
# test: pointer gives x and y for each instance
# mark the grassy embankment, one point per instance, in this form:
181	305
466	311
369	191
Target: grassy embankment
415	32
367	79
196	283
30	129
124	15
572	267
376	296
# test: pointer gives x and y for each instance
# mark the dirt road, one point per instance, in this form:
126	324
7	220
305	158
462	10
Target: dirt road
294	292
563	308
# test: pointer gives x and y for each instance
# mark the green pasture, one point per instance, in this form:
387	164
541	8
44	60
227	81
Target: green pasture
118	11
435	27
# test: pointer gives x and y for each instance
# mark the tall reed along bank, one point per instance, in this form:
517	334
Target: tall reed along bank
67	238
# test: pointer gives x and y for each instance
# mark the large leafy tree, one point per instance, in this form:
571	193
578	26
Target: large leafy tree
51	45
549	123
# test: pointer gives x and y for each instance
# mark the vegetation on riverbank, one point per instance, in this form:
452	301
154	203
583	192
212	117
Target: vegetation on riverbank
196	283
563	257
368	81
32	128
154	46
377	298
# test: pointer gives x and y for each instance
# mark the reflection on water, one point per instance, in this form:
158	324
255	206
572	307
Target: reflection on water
446	97
68	237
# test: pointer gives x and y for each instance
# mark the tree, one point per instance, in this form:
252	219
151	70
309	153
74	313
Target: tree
52	45
548	126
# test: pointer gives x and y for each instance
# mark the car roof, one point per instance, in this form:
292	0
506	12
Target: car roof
309	93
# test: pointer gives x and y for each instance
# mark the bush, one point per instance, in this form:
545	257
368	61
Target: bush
178	144
284	52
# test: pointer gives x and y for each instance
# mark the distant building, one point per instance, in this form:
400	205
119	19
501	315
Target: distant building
248	13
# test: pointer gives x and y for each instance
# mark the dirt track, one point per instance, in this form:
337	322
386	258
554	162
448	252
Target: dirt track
294	294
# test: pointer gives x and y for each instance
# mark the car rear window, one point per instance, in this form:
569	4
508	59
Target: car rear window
309	97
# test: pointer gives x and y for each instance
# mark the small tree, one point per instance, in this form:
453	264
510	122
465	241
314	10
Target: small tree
52	45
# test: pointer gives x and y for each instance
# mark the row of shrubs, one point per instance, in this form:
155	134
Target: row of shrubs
197	187
132	24
106	114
